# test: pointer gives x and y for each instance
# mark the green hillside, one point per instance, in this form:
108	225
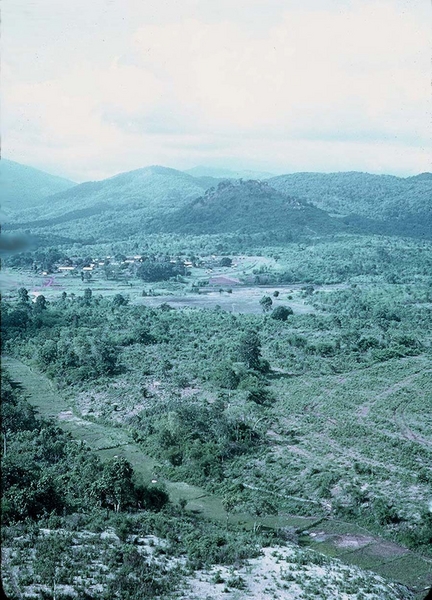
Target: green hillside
404	204
158	199
247	207
113	208
24	187
149	189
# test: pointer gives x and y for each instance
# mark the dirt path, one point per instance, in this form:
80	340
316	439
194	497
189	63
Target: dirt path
400	420
399	417
108	441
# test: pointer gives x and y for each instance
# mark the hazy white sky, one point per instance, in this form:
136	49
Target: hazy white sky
93	88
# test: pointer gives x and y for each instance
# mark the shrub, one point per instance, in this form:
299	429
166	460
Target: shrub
281	313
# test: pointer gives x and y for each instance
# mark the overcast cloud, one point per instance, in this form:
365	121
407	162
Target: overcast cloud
93	89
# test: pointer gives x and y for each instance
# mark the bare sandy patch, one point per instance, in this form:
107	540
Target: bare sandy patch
67	415
288	573
353	541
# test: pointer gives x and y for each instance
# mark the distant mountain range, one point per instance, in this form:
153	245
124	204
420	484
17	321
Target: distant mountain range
405	203
156	198
150	189
25	187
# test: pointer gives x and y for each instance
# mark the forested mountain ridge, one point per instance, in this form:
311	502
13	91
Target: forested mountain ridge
25	187
378	197
159	199
201	171
156	199
248	207
150	189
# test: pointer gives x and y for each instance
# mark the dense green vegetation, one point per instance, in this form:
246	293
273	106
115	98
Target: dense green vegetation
218	395
247	207
46	472
387	204
287	207
299	399
51	481
147	190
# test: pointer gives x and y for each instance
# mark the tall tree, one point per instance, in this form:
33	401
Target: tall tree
266	303
23	296
250	349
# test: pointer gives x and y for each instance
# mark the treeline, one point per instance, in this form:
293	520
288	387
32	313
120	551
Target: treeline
77	339
315	260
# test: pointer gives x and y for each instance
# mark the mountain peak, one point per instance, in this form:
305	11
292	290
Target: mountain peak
221	173
148	171
25	187
249	206
422	177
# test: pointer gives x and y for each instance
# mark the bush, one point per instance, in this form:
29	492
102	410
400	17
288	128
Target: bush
281	313
226	377
225	262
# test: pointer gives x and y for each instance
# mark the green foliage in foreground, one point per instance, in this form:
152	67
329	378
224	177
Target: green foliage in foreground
58	529
45	471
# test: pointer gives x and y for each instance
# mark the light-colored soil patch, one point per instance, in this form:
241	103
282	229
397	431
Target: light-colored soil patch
281	573
241	300
67	415
353	541
93	574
